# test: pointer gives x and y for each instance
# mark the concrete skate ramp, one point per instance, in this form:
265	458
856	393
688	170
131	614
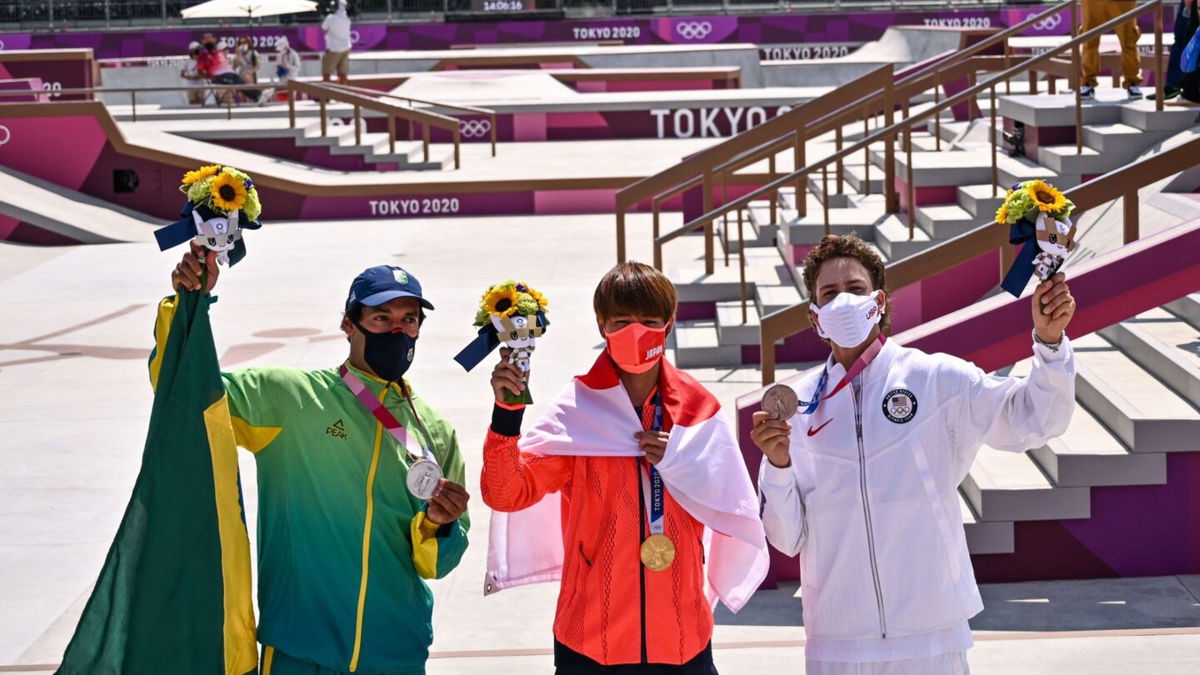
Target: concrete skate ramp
485	85
899	45
71	214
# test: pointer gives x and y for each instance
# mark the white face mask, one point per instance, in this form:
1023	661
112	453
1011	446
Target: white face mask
847	320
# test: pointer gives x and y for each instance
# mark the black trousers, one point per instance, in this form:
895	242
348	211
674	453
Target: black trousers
570	662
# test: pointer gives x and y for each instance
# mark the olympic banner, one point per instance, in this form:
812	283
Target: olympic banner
824	28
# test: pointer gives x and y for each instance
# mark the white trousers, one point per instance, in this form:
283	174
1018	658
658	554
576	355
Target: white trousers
952	663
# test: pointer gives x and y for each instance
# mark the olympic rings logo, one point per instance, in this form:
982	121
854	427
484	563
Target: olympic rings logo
5	134
1048	23
475	128
355	38
1	45
693	30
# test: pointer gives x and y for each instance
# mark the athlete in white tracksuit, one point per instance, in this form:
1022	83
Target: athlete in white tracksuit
869	500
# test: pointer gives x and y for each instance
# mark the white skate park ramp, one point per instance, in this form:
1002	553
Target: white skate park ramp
899	46
69	213
485	85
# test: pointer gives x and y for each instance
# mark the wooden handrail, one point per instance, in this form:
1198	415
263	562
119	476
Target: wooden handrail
892	131
491	114
427	120
1122	183
777	128
757	144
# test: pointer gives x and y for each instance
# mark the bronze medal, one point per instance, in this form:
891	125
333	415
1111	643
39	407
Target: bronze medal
658	552
781	400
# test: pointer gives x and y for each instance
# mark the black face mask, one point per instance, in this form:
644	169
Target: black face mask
388	354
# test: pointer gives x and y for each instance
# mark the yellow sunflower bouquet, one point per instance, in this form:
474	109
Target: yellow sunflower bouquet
1039	217
221	202
512	313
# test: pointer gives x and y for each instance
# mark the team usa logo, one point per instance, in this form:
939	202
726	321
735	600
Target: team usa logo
899	406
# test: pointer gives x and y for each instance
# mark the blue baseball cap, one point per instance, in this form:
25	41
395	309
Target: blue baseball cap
379	284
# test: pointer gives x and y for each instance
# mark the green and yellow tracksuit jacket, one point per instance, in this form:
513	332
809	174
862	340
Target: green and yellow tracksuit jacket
343	548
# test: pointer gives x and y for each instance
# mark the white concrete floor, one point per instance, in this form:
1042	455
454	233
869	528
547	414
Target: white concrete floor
75	330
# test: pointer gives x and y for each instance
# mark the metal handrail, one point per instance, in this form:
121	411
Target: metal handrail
491	114
893	130
1122	183
427	120
133	92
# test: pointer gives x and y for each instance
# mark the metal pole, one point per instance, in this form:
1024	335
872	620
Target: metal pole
912	189
162	6
995	172
774	195
725	216
937	117
1076	69
742	261
708	226
1158	55
621	238
825	195
1130	202
841	166
867	156
107	14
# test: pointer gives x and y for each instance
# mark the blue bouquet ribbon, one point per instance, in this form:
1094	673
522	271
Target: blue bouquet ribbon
182	230
1021	232
486	342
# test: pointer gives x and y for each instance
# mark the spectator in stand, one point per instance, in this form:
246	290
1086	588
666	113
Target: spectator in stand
245	60
214	63
287	61
1096	12
193	75
336	28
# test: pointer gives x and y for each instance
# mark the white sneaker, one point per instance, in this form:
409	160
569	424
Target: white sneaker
1087	91
1135	91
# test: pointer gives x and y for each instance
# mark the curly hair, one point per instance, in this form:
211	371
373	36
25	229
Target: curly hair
849	246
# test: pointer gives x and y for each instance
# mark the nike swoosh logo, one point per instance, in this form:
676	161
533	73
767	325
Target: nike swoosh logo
814	432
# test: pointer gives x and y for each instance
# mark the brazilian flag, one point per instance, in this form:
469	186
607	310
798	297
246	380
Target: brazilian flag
174	594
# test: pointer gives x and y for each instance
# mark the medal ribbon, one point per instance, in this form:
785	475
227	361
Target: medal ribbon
385	416
860	364
656	491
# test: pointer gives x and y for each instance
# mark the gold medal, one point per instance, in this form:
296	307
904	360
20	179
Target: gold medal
658	552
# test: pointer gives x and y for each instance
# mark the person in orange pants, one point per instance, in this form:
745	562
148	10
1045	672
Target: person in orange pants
1096	12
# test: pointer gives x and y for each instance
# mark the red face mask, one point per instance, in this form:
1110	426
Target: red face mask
636	347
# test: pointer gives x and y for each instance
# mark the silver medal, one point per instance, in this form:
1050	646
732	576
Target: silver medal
423	477
781	400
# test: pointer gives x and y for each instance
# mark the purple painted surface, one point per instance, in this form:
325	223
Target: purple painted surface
791	28
75	141
30	84
696	311
65	73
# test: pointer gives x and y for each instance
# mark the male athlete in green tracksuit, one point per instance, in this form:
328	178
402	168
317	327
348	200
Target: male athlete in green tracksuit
343	544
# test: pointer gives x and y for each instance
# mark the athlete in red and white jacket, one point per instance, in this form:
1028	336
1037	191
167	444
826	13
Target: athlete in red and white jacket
864	486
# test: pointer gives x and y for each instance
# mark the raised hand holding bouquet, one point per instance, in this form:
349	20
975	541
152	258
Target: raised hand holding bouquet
512	313
1038	216
221	202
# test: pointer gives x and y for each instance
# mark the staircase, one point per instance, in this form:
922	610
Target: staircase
1138	404
953	192
374	148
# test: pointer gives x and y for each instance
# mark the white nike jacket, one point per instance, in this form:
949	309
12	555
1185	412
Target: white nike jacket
870	502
